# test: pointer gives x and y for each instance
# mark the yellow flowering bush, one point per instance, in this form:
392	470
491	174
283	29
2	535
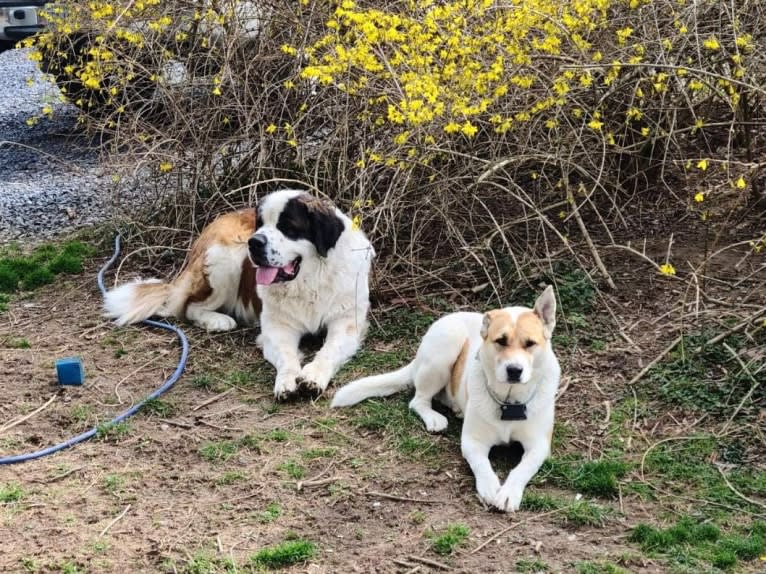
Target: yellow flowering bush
438	122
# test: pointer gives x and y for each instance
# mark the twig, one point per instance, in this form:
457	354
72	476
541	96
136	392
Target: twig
734	329
656	360
211	400
589	241
115	521
429	562
399	498
315	480
403	563
12	424
737	492
313	483
202	421
515	525
62	475
749	393
181	424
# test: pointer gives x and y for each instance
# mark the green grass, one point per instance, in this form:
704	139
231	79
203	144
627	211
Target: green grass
293	469
527	565
712	380
29	271
112	431
11	492
601	567
323	452
285	554
113	483
220	451
393	419
692	542
576	513
20	343
269	514
202	562
593	478
159	408
447	540
231	477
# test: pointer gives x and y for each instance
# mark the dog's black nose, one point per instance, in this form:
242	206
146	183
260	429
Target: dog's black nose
256	243
514	374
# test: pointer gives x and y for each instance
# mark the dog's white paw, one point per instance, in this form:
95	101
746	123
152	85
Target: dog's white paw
259	341
508	498
487	489
315	376
285	385
435	422
216	322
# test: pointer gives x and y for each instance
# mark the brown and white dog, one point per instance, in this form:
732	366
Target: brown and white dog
498	370
297	260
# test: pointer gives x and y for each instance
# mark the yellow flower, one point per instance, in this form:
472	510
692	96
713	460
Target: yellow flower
667	269
711	44
32	121
356	222
271	128
595	124
702	164
740	183
217	91
699	197
645	131
166	166
469	129
47	110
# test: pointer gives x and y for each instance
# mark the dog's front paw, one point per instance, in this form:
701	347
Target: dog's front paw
508	498
435	422
315	376
285	386
216	322
487	489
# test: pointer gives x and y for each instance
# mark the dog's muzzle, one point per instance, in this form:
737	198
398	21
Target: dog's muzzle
513	374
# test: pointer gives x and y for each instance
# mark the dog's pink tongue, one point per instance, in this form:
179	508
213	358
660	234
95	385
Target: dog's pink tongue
266	275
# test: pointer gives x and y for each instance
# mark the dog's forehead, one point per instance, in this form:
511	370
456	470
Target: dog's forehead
516	322
272	206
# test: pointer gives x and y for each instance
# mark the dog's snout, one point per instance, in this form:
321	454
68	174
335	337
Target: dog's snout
256	243
514	374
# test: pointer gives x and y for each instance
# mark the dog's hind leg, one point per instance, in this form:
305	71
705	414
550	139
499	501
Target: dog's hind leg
430	378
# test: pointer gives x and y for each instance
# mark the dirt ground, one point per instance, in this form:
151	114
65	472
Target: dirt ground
217	471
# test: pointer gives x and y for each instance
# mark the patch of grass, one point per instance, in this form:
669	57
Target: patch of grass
535	502
601	567
20	343
693	541
285	554
530	565
242	379
81	413
30	564
293	469
203	563
278	435
594	478
39	267
231	477
70	567
446	541
711	380
112	431
11	492
586	513
119	353
4	299
204	382
393	418
251	442
323	452
418	517
113	483
159	408
270	514
220	451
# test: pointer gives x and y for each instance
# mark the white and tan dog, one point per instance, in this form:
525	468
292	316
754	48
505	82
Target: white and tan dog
498	370
296	260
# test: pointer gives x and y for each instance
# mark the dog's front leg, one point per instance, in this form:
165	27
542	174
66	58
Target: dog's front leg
476	454
280	348
509	496
343	339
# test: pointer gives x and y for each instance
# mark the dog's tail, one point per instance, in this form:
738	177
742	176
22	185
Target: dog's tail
375	386
139	300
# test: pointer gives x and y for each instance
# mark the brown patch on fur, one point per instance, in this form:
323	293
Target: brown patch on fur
457	370
247	292
228	229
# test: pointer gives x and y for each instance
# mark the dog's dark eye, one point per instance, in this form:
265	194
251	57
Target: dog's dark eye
502	341
529	344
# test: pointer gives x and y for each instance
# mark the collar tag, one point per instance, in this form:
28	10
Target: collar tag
510	412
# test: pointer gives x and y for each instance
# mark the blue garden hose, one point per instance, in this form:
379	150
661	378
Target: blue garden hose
135	408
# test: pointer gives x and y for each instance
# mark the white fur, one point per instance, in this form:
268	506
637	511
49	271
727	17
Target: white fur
483	428
329	292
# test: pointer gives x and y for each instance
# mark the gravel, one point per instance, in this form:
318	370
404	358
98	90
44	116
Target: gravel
50	181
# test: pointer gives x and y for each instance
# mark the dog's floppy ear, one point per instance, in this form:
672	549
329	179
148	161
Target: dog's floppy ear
545	308
326	227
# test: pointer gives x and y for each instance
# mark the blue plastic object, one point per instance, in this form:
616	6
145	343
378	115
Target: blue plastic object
70	371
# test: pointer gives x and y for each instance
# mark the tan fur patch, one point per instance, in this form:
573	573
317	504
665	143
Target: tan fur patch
528	327
456	376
